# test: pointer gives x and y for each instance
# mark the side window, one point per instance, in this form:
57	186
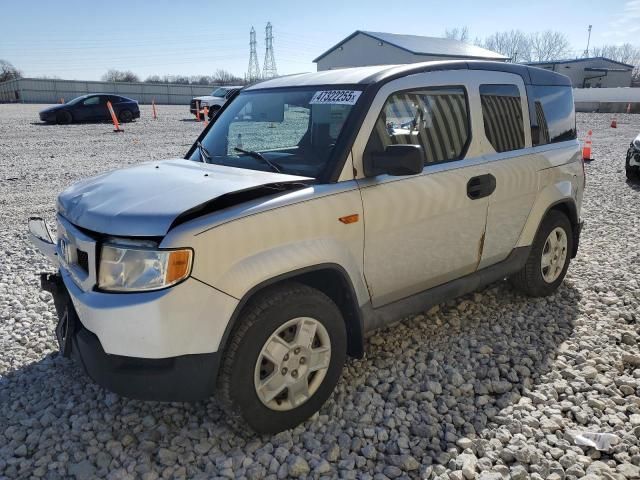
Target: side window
502	116
434	118
552	114
92	101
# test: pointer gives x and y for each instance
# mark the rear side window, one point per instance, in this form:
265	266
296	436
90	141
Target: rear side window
552	114
502	116
435	118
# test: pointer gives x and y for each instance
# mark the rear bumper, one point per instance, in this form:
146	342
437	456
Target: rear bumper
181	378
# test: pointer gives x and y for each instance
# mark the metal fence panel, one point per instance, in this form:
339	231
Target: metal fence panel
40	90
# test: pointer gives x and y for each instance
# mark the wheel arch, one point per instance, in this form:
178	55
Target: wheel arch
329	278
568	207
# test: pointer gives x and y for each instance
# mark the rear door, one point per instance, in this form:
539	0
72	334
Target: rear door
427	229
506	137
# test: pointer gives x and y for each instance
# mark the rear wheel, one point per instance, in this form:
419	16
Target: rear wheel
549	257
125	116
284	358
63	118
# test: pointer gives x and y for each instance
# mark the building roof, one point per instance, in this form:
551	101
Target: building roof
576	60
345	77
419	45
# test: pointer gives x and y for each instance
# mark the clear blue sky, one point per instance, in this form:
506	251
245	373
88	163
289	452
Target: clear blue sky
81	39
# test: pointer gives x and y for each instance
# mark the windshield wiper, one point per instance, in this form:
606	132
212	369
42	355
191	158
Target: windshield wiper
259	156
205	156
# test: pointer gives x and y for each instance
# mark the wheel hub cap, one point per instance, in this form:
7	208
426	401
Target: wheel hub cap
554	255
292	364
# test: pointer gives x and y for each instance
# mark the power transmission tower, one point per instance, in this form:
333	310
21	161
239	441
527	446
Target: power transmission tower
253	73
270	69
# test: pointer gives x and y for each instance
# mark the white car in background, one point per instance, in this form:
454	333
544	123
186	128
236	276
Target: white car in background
213	102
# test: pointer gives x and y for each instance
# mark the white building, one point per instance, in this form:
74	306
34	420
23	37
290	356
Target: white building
376	48
594	72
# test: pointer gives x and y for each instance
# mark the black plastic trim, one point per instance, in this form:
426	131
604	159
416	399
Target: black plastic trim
354	327
385	315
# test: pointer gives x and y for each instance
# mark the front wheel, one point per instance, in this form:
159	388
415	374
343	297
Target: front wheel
284	358
213	111
549	257
64	118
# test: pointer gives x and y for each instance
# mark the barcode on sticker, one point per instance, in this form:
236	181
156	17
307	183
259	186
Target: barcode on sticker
335	97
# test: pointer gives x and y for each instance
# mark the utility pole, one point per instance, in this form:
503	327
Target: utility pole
586	52
270	69
253	73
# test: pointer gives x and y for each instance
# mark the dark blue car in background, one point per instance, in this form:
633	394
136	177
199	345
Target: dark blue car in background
92	108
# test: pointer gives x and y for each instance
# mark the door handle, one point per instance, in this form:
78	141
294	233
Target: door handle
481	186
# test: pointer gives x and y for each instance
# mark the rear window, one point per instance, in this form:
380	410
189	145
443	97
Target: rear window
552	114
502	116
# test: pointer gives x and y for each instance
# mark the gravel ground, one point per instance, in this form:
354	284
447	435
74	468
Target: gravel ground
490	386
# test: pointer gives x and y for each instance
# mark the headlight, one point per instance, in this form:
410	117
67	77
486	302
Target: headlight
124	268
636	143
204	104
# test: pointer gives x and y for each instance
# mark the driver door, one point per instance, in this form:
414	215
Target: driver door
422	230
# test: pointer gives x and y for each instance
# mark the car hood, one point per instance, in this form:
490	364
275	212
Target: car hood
53	109
208	98
145	200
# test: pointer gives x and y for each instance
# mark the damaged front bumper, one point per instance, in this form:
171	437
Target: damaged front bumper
183	378
138	345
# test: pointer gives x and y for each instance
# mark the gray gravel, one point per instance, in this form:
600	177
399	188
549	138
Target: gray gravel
490	386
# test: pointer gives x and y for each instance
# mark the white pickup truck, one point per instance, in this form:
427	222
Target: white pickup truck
213	102
314	209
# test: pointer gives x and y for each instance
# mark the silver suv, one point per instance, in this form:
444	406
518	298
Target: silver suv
314	209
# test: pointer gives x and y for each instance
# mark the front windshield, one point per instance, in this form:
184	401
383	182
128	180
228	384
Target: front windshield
293	131
219	92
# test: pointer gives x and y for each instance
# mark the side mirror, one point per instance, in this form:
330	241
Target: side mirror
396	160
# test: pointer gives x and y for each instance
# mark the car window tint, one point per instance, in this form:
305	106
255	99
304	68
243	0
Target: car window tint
92	101
551	113
436	119
502	116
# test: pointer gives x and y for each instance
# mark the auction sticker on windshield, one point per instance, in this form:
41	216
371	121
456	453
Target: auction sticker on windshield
335	97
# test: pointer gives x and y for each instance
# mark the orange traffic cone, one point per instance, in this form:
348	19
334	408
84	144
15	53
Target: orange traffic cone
586	148
614	123
205	116
153	109
114	118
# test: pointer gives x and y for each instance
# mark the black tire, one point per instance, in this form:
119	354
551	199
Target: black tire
63	118
530	279
262	317
633	173
125	116
213	111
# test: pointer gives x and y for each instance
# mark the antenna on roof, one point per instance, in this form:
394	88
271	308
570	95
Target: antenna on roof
586	52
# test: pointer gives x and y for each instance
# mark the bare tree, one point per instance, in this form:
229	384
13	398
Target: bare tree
514	44
224	77
120	76
549	45
458	33
625	53
153	79
8	71
201	80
